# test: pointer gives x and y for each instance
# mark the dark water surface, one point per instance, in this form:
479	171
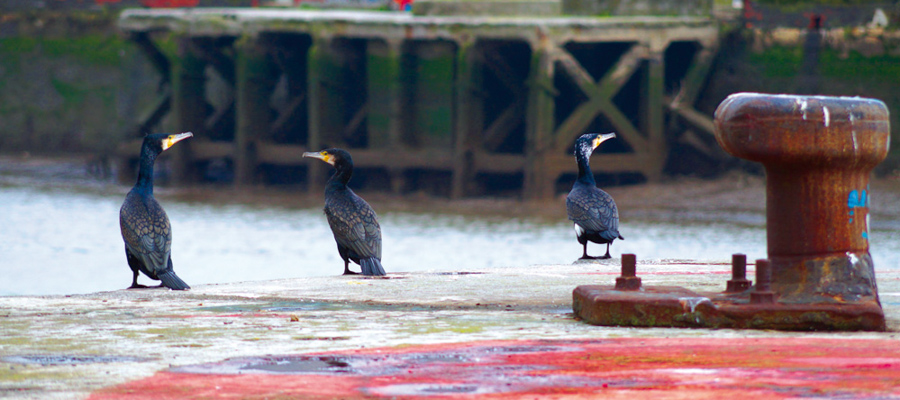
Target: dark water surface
63	238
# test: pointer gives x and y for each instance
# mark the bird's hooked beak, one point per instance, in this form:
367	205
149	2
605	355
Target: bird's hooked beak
602	138
170	140
322	155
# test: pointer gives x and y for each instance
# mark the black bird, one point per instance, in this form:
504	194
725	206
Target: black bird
145	226
593	210
353	221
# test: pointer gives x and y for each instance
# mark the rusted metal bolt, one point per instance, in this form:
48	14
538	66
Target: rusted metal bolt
738	282
763	293
818	153
629	265
629	279
763	275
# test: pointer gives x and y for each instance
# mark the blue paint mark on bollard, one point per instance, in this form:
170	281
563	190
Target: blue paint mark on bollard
858	199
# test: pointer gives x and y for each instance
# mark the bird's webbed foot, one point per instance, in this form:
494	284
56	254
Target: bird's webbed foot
138	286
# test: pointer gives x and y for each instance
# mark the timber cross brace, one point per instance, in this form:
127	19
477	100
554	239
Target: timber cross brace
454	107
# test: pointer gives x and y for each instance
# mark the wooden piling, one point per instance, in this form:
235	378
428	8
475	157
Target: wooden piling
538	182
255	80
188	106
468	117
407	94
652	104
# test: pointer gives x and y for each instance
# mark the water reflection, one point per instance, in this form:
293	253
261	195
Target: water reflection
66	241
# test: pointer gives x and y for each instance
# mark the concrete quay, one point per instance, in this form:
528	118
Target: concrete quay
496	333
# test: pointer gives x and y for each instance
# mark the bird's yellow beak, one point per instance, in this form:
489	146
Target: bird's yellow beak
322	155
602	138
172	139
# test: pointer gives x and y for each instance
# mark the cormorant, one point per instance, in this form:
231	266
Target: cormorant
145	226
353	221
592	210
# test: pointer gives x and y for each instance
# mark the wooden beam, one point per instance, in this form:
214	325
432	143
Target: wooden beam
616	77
576	72
294	106
162	107
498	163
504	72
537	184
282	154
157	59
468	116
220	62
318	64
694	118
504	124
576	123
207	150
254	85
696	75
188	106
218	121
356	121
600	99
624	127
652	105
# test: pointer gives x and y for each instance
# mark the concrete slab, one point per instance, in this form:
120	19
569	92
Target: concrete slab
498	333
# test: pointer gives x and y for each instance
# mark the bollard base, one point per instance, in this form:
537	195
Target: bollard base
676	307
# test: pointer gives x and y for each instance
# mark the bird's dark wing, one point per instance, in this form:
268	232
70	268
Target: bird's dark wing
594	210
354	225
146	231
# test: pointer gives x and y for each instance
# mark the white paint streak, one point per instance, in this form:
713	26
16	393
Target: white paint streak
692	371
692	302
827	116
867	223
803	104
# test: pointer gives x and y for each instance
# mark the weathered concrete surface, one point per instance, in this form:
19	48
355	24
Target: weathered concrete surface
512	326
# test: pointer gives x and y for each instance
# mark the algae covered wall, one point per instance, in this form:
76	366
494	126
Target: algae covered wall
69	82
861	61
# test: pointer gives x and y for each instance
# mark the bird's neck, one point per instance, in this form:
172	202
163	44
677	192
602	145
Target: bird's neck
339	179
145	171
584	169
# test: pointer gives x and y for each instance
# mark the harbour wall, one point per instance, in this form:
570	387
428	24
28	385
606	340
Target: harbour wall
71	82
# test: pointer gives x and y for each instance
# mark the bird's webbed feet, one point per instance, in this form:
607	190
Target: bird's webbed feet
347	270
138	286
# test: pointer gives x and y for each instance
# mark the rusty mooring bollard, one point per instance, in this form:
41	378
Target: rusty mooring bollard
629	279
818	153
738	282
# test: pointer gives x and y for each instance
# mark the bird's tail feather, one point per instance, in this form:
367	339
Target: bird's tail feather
172	281
371	266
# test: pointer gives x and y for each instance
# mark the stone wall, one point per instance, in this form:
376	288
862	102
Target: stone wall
69	82
855	61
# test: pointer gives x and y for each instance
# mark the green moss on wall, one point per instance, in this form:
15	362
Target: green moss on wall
777	69
76	93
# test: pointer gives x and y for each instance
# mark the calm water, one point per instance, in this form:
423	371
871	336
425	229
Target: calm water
66	240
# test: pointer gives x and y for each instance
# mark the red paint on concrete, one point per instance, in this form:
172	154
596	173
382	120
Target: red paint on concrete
632	368
639	273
